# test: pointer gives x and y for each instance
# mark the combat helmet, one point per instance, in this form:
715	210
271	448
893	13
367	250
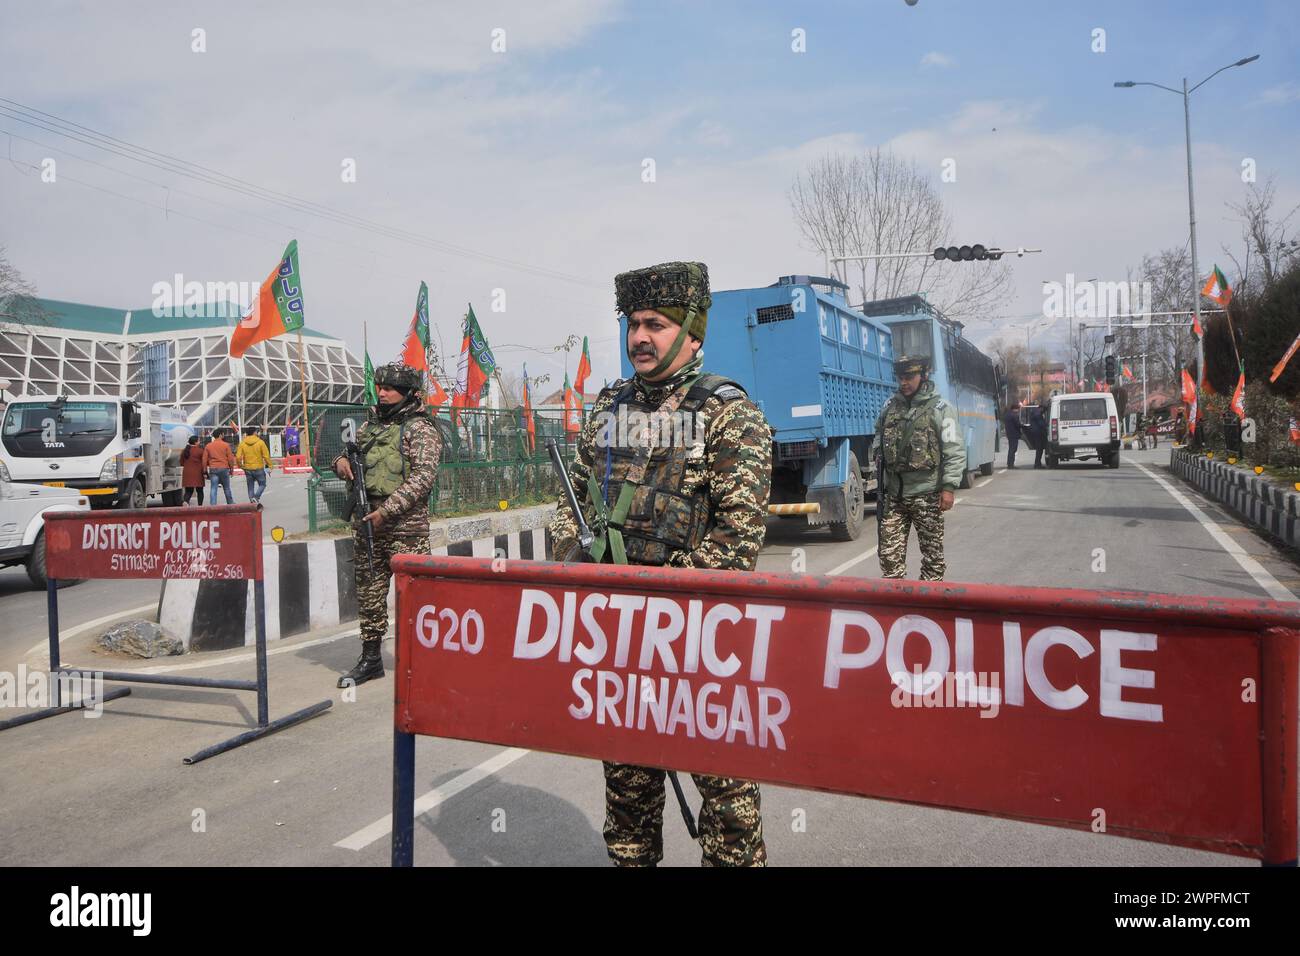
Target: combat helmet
911	364
397	375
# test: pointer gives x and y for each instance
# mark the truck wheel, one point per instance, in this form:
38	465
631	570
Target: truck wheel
1052	461
986	469
965	481
1114	459
36	565
135	497
849	529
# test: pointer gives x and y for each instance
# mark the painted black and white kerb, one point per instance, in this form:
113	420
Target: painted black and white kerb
309	585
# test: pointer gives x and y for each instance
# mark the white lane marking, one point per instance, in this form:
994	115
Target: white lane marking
851	562
384	826
1252	567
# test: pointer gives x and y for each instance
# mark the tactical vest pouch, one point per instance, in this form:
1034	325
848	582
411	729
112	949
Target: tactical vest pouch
922	449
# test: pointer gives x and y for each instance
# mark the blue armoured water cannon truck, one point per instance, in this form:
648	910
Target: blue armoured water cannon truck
821	371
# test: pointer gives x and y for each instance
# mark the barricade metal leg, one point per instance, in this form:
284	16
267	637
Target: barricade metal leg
52	615
278	724
403	799
1280	698
259	615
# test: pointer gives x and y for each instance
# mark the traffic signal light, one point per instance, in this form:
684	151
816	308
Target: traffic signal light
1110	370
966	253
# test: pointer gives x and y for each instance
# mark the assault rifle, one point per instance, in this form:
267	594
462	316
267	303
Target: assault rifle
586	537
358	502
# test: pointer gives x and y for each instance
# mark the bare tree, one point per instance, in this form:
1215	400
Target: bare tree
879	203
18	297
1169	348
1263	238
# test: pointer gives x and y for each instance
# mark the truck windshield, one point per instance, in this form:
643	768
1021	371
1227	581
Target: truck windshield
58	429
911	338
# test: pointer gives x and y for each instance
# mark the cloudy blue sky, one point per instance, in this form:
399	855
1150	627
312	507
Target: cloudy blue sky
521	170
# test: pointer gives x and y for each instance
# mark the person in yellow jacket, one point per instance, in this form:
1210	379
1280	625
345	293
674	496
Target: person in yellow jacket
255	458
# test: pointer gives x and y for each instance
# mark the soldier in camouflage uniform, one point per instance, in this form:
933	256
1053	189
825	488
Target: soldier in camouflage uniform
400	447
699	501
925	459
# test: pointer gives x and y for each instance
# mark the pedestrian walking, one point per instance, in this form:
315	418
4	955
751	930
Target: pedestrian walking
218	460
1011	422
192	475
255	458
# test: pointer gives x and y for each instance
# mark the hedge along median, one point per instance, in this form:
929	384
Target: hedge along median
310	584
1259	500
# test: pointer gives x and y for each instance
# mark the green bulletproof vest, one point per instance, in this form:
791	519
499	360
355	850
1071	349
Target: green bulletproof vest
659	519
381	449
907	438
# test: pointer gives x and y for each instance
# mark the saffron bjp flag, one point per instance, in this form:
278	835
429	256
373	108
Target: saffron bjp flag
572	410
529	426
414	352
1295	431
1189	388
1217	288
475	365
434	394
1127	372
1280	367
277	308
584	369
1238	403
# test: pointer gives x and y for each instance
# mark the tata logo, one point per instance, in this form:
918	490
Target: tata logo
53	466
55	444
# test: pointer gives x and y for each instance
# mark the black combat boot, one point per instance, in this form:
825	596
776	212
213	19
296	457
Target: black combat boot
369	666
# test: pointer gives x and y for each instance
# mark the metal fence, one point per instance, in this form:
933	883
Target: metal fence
485	460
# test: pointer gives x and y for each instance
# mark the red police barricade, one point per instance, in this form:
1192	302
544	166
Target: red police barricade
217	543
1149	716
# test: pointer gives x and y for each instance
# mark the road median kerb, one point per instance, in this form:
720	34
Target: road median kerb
1257	500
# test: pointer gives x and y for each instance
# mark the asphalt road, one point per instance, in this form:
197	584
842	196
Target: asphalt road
113	791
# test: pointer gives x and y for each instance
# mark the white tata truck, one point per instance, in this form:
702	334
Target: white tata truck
112	450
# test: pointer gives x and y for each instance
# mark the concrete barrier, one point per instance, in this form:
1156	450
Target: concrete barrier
1258	500
311	584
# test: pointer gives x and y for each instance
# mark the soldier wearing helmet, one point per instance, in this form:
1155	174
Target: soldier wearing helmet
696	498
400	447
924	454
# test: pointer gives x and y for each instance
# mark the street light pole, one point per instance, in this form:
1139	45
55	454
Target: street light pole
1186	93
1191	215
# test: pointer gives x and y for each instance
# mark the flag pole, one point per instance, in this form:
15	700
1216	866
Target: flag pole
302	381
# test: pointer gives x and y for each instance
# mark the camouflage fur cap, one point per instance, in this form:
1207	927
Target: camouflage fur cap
397	375
669	284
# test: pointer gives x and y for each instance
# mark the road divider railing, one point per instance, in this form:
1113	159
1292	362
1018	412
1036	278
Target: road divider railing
216	543
1154	717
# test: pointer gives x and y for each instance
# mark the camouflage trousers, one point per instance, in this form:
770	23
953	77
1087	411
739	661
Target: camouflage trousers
730	822
921	512
372	589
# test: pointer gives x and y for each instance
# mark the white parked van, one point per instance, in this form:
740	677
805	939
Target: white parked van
22	523
1083	425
